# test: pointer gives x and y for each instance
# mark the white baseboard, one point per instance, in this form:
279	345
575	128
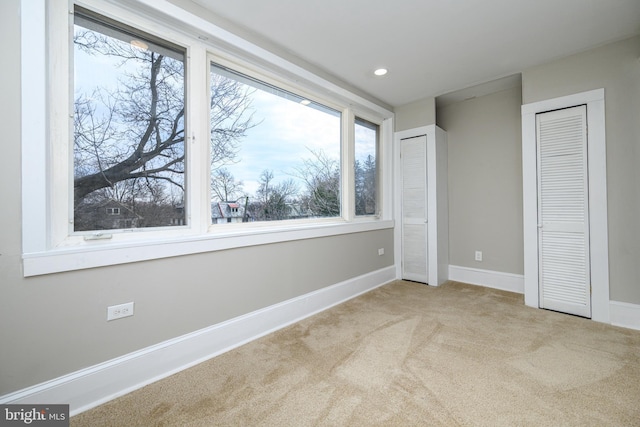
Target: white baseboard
90	387
624	314
490	279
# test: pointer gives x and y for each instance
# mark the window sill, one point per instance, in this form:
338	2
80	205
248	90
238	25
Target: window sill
74	258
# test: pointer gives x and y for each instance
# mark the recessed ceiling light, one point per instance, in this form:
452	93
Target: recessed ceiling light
380	72
305	102
139	44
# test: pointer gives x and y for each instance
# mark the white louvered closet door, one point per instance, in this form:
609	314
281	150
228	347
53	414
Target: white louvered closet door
563	223
413	154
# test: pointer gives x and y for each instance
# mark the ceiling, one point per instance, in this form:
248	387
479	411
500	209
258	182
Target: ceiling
430	47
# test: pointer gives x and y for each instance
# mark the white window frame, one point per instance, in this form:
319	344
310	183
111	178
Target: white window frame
49	247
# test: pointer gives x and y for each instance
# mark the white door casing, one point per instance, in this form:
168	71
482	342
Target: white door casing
437	212
597	196
563	214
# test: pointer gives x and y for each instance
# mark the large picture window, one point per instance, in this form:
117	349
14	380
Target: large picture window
128	128
150	133
275	155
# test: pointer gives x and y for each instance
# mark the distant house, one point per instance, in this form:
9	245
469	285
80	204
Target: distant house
106	215
178	217
297	211
114	215
227	212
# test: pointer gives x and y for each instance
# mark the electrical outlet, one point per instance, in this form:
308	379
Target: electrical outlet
381	251
478	255
119	311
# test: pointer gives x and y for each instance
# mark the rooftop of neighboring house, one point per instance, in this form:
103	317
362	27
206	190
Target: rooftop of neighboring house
227	210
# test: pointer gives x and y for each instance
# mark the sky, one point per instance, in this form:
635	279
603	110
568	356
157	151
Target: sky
287	133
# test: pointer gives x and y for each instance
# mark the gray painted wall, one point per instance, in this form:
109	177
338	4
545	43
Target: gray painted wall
485	181
56	324
616	68
416	114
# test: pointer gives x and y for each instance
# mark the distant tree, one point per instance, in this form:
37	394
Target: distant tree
224	187
321	175
231	117
135	130
273	200
365	186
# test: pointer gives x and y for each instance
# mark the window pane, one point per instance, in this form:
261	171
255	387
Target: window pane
275	155
128	128
366	143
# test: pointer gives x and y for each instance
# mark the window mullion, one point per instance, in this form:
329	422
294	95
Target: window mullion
197	197
348	159
385	179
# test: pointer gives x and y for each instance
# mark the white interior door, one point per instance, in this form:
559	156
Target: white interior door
563	222
413	159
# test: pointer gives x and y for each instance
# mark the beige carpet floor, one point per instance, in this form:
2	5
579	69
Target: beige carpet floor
406	354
